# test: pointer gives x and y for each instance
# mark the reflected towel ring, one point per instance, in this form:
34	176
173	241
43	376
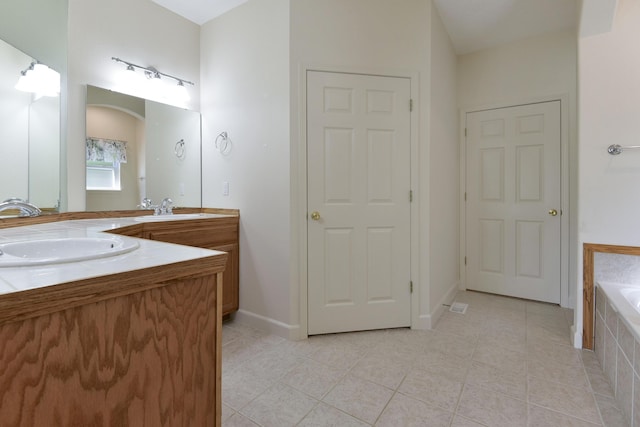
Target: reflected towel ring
179	149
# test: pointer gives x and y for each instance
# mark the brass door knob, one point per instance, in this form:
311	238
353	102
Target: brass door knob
553	212
315	215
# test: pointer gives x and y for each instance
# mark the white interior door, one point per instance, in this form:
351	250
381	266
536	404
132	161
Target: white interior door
358	165
513	201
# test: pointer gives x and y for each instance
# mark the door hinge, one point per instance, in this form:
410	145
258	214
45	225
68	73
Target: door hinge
411	105
411	287
465	196
465	131
410	195
465	260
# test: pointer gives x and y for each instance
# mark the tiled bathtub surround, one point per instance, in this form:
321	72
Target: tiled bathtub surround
506	362
618	351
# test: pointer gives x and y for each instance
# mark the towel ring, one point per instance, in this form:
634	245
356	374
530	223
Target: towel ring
179	149
223	143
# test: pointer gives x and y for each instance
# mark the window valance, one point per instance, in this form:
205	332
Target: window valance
106	150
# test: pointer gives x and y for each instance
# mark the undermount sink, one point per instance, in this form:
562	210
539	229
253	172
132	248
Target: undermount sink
57	251
174	217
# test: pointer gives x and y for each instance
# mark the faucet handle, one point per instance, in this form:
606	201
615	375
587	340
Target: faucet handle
145	203
167	206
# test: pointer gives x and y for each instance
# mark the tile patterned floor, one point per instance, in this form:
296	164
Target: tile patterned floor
505	362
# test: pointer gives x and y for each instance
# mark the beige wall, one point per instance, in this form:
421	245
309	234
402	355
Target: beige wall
609	199
252	71
138	31
444	175
245	92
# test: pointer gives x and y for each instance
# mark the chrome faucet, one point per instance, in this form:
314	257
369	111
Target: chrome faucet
145	203
25	208
166	206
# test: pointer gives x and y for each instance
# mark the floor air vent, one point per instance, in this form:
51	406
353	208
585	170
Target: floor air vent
458	307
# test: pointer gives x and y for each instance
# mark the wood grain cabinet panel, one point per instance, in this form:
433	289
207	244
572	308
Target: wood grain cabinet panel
150	358
220	234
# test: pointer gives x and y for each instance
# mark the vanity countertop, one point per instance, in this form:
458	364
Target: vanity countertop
149	254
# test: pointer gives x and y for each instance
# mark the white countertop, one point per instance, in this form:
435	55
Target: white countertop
149	254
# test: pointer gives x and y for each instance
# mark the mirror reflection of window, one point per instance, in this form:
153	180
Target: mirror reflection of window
153	168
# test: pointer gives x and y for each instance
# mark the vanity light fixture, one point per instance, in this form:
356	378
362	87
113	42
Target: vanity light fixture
39	79
155	76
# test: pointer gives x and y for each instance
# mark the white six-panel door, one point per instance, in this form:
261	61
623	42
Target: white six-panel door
358	151
513	201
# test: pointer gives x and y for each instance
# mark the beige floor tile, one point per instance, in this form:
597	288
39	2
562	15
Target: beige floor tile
449	365
496	379
279	406
273	364
239	420
364	340
599	383
573	375
542	308
610	413
404	353
512	338
324	415
359	398
458	324
340	355
572	401
229	334
313	378
431	387
460	421
407	412
452	344
549	334
261	371
503	358
240	387
590	360
243	349
541	417
383	370
492	408
543	351
227	412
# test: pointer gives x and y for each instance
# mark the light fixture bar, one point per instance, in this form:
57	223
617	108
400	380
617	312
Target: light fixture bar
153	71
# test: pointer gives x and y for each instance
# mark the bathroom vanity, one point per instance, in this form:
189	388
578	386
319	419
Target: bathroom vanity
134	339
220	233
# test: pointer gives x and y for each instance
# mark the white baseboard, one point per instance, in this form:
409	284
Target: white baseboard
428	321
576	337
267	324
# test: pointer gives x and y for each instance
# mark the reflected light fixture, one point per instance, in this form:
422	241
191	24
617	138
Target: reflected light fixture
154	76
39	79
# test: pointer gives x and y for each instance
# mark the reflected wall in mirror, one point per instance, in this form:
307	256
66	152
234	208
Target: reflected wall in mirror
161	156
29	136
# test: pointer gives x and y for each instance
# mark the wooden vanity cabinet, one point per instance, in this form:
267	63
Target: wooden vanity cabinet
220	234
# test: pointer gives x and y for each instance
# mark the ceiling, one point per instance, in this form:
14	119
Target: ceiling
472	24
199	11
479	24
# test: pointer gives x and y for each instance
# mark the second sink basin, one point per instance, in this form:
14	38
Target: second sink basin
55	251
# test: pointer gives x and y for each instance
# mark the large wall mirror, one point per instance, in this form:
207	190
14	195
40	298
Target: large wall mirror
139	149
29	135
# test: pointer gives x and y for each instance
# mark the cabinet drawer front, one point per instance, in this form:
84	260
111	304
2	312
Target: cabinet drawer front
199	237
